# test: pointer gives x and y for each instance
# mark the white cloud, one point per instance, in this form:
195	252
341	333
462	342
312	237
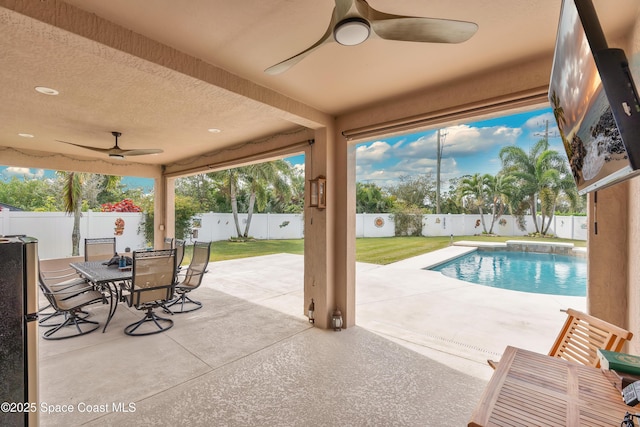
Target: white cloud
536	126
12	171
299	168
537	123
390	175
462	140
374	152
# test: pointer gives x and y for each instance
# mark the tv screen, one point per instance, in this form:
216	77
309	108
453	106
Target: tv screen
594	101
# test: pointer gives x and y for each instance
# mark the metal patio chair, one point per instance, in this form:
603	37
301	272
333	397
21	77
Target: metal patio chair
152	285
99	249
60	280
191	280
70	301
180	244
168	243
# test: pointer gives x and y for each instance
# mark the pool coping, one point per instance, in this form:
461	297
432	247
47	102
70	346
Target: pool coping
561	248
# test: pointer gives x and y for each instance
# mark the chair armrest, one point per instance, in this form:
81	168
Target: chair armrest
47	275
74	290
125	292
69	269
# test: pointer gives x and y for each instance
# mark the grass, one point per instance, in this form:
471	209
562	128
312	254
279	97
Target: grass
375	250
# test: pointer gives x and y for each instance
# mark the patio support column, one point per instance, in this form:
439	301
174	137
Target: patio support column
344	210
170	209
161	198
318	266
329	243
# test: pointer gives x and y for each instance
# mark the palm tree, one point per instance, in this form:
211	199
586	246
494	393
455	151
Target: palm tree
72	196
541	175
258	178
499	189
475	189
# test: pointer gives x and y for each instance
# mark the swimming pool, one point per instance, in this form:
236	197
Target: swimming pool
540	273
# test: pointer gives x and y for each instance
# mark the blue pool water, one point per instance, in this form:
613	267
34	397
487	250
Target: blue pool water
539	273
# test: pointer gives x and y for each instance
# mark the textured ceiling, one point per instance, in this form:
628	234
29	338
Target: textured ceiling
169	97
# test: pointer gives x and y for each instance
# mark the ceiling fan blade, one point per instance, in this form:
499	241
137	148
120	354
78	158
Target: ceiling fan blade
116	151
415	28
140	152
99	150
385	26
339	12
427	30
290	62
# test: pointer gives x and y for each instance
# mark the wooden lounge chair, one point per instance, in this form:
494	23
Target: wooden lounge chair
581	336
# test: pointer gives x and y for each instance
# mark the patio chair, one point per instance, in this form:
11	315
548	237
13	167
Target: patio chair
152	285
70	301
191	279
582	335
179	253
100	249
58	280
168	243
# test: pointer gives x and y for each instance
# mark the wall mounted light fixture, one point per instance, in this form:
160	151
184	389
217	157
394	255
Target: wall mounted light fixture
318	192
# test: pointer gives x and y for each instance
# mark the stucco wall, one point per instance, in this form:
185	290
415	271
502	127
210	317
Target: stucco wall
633	228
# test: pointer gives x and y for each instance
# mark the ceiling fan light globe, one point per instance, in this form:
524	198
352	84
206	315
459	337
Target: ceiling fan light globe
352	31
116	156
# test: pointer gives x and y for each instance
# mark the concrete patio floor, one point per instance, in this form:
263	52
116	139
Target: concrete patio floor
249	357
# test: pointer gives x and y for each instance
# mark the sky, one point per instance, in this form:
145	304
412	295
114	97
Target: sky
468	149
8	172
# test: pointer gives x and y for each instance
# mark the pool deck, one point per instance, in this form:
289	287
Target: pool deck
250	357
458	323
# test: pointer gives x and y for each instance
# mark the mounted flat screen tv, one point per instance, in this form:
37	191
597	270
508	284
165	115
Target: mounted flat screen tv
594	101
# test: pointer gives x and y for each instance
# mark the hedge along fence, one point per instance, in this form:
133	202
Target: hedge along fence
53	229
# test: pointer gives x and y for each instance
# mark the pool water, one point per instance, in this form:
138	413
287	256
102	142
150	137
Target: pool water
539	273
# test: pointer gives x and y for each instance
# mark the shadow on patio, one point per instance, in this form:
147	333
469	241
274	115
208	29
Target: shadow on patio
249	356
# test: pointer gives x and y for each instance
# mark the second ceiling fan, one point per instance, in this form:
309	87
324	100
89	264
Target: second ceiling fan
354	21
116	151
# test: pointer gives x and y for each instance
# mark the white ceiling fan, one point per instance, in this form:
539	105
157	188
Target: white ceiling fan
354	21
116	151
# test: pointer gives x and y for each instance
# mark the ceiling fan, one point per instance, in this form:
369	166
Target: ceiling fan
354	21
116	151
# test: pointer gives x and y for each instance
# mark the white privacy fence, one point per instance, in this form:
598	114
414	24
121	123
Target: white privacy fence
382	225
53	229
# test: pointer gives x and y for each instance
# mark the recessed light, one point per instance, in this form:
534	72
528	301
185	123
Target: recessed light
46	90
26	135
214	130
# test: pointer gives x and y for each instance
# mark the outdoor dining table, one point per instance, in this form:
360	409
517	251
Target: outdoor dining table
533	389
104	277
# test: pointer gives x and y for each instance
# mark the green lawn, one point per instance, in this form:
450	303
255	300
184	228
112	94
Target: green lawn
380	250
